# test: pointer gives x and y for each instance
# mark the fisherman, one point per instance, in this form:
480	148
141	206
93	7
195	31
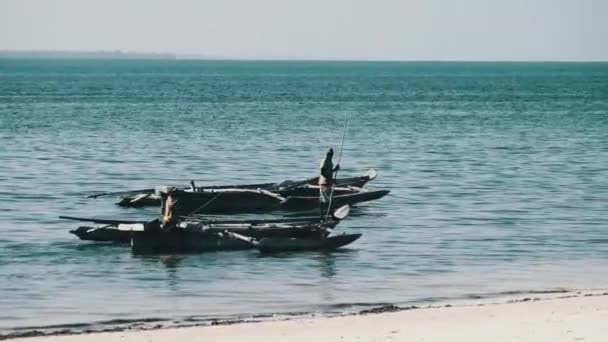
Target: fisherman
169	220
326	178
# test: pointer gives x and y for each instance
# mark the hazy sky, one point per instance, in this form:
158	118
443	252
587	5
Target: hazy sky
315	29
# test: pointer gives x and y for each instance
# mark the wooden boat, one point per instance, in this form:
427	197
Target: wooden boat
230	201
149	197
144	200
120	231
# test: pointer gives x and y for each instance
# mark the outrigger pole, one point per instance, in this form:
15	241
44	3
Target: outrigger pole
331	193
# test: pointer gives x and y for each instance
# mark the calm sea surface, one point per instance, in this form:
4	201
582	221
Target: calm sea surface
498	173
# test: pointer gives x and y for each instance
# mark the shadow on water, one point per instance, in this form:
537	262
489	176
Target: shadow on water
63	250
327	266
96	247
298	254
171	263
178	267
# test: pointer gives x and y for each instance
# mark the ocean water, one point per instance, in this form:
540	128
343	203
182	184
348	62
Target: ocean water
498	173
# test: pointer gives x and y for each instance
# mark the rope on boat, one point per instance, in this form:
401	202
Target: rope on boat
333	185
204	205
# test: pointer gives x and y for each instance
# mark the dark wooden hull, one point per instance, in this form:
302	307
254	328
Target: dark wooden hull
111	233
183	241
274	245
257	202
250	201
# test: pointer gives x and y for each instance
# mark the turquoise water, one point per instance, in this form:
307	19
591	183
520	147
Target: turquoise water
498	173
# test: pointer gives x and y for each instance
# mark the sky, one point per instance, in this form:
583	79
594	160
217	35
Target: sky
315	29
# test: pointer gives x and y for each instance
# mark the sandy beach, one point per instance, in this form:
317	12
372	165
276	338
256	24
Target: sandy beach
580	317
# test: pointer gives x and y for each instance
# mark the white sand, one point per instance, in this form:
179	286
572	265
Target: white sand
582	318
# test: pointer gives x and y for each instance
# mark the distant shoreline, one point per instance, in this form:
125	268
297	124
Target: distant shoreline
84	55
128	55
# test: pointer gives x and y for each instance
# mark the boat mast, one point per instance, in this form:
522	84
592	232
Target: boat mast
333	185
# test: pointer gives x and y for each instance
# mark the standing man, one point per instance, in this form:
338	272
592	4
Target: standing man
326	178
169	220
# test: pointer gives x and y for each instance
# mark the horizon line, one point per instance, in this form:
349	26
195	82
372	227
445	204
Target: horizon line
143	55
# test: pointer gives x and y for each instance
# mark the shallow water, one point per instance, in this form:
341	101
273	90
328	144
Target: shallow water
498	173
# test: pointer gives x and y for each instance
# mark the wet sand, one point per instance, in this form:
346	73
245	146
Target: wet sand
569	317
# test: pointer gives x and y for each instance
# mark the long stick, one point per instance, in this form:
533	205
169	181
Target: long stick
331	193
94	220
120	193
